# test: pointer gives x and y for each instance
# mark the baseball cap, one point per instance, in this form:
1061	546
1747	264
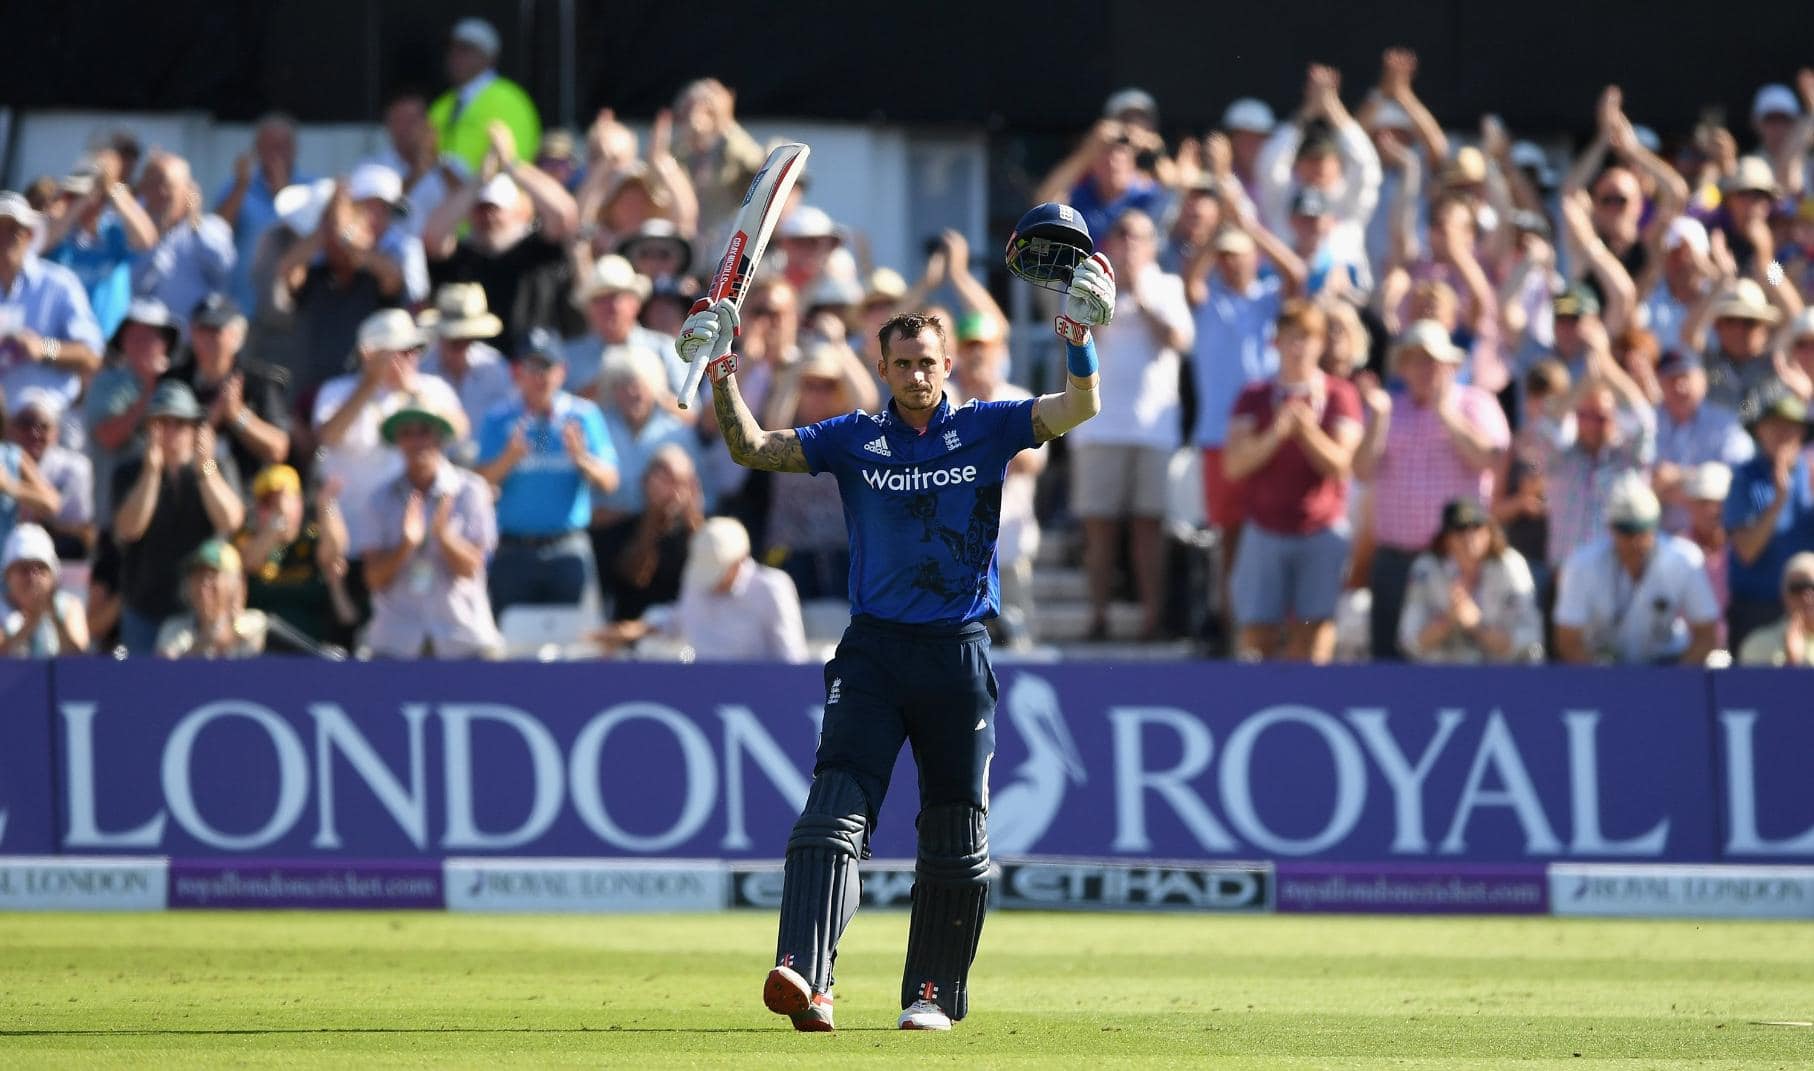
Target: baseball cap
1632	506
299	206
1678	362
478	33
1775	99
37	399
808	221
390	329
500	191
1131	99
215	310
978	327
1708	481
274	478
29	543
540	345
1310	202
1462	513
216	553
1686	230
173	398
720	543
375	182
1577	300
1782	405
1432	338
15	206
1249	114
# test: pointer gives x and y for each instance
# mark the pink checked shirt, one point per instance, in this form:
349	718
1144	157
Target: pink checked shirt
1420	468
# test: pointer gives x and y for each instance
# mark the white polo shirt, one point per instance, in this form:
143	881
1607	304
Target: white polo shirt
1636	621
1139	373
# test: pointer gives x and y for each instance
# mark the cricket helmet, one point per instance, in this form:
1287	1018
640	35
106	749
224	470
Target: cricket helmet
1047	243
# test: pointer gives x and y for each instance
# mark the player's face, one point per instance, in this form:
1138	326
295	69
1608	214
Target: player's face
915	369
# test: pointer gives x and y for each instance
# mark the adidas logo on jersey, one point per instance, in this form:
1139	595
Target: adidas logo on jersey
878	445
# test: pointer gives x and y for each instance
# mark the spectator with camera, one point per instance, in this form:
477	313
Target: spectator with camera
101	229
1101	178
38	619
1470	598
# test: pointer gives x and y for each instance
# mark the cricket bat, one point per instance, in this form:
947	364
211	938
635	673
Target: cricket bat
749	237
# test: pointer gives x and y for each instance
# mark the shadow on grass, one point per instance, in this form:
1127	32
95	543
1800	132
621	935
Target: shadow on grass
238	1031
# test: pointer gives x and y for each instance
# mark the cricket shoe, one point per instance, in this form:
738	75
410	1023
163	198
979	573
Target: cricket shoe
785	992
924	1015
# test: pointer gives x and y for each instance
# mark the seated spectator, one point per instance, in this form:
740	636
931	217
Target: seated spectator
805	535
432	528
1521	505
520	221
248	401
547	454
170	501
102	227
1635	596
114	410
475	369
1690	433
647	570
812	249
657	251
732	609
1293	439
247	202
38	619
1739	368
350	411
24	492
334	278
295	558
1470	598
1769	514
1788	642
480	98
1437	442
48	334
32	426
632	388
611	296
217	624
1705	489
194	255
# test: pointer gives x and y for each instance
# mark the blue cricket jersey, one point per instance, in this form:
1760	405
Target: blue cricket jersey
922	510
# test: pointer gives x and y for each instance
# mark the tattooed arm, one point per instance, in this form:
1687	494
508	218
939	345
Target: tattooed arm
750	446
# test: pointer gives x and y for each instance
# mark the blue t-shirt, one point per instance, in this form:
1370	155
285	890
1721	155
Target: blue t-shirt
546	494
1143	193
1234	348
922	510
1753	489
103	262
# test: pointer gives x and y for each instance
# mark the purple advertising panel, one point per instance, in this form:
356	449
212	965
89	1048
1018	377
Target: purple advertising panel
1763	737
28	821
1175	761
1412	888
306	883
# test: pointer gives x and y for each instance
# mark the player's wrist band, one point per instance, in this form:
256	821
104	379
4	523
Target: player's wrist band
717	370
1081	360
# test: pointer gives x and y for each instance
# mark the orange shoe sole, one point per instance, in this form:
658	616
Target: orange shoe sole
784	992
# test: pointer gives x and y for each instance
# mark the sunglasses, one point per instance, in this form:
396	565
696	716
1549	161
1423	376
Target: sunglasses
761	310
1612	200
1801	585
1629	530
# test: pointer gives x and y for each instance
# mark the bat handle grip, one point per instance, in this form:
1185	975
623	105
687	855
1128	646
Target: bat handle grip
689	388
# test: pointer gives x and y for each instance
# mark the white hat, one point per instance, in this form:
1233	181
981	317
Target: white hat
1249	114
720	543
1752	173
501	191
299	207
1632	502
1391	115
1130	100
370	182
41	399
1432	338
1708	481
1232	239
611	274
478	33
1775	99
15	206
1686	230
806	221
1745	300
460	311
390	329
1803	324
29	543
834	288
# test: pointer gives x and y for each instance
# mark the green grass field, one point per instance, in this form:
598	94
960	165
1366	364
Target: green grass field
433	990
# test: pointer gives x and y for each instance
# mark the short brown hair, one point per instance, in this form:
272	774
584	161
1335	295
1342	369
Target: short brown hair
1302	315
909	325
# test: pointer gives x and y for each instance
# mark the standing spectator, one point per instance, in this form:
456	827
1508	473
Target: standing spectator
248	401
101	229
1690	433
480	97
1293	439
38	619
114	411
805	534
32	426
1705	488
1769	514
475	369
248	201
1676	281
647	570
48	334
1248	124
333	279
1616	214
1324	149
1101	179
1790	641
295	558
813	248
350	411
611	297
639	428
1590	438
413	152
377	192
194	255
717	154
657	251
1635	596
432	528
520	221
1438	442
170	501
547	454
217	624
1119	460
1470	597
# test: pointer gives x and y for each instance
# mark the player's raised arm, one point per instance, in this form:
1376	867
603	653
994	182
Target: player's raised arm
1089	302
750	446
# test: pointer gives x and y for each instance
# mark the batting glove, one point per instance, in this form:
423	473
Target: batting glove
1090	301
705	328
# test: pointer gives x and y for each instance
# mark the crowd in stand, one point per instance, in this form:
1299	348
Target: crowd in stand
1498	411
